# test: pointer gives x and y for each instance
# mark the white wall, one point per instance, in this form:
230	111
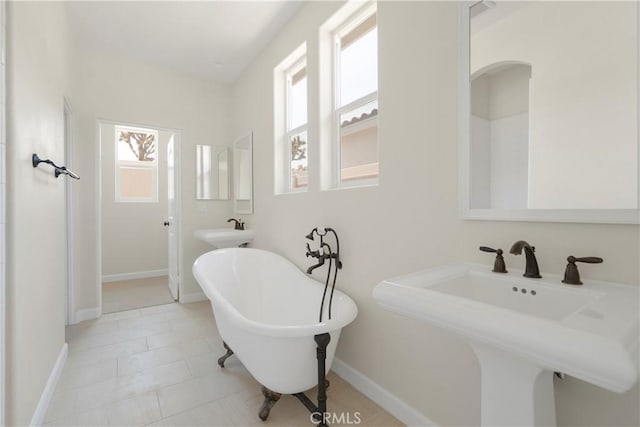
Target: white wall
500	138
509	162
122	90
410	220
37	61
480	165
133	236
584	106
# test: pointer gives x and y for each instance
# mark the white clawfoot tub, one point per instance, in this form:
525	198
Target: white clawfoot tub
267	312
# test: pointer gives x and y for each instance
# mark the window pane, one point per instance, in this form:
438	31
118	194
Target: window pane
136	144
136	183
298	99
359	142
298	150
358	64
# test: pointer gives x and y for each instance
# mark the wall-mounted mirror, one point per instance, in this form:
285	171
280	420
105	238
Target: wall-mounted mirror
549	111
212	172
243	175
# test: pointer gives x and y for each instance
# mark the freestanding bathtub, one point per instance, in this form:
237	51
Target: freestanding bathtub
267	312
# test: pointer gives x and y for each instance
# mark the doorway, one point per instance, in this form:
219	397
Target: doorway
139	219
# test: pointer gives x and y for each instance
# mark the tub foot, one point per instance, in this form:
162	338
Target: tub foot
270	399
226	356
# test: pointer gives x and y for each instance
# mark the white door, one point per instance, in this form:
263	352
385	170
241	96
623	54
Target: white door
172	223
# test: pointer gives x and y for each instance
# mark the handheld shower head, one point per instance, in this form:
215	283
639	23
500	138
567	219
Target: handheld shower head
310	235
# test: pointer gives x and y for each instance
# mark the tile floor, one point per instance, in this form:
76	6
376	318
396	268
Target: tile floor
137	293
158	366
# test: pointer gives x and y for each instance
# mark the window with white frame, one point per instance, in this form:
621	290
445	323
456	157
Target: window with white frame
136	166
355	116
296	135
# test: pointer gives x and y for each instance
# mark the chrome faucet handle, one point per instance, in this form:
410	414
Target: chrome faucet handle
571	273
498	265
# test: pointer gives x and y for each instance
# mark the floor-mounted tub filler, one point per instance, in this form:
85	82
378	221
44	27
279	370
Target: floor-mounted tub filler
266	311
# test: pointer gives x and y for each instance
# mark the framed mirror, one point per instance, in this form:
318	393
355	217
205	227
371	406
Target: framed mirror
243	175
212	172
549	111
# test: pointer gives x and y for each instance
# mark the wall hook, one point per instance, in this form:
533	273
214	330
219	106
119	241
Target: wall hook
58	170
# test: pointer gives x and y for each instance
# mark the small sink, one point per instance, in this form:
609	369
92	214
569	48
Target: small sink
522	330
224	237
536	299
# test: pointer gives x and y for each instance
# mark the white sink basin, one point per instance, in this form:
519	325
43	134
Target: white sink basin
534	298
225	237
522	330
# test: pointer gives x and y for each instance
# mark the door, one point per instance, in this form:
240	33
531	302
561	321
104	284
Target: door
172	219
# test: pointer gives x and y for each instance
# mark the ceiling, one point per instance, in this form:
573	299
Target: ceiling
212	39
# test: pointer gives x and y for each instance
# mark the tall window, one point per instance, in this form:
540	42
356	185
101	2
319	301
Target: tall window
296	125
356	99
136	164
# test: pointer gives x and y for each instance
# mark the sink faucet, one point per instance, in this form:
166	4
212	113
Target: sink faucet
239	225
531	269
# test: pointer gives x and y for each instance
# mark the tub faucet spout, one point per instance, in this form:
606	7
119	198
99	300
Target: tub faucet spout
313	267
531	268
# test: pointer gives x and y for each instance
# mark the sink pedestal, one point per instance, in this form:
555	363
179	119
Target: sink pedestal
514	392
522	330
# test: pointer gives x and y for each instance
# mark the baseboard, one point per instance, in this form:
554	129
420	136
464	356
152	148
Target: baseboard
135	275
193	297
383	397
47	393
86	314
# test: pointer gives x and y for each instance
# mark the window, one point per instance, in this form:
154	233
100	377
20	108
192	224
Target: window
136	164
290	123
296	125
355	115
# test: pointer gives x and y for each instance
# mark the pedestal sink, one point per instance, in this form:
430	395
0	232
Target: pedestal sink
522	330
224	237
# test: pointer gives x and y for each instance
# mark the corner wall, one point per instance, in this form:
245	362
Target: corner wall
410	221
38	53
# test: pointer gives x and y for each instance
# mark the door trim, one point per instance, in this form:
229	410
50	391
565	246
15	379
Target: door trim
70	217
3	151
98	191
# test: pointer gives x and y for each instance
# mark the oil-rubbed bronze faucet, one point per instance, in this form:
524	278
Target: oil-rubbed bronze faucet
571	274
239	225
531	269
498	265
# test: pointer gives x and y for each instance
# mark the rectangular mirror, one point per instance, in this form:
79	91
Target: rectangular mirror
212	172
549	111
243	175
